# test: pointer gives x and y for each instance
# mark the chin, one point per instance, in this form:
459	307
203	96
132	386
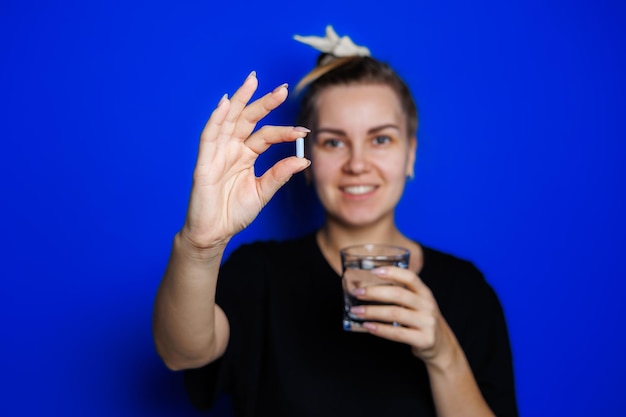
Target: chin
360	221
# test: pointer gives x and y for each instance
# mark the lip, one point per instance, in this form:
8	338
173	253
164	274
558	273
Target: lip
358	191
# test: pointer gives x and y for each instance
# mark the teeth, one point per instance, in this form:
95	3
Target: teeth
358	189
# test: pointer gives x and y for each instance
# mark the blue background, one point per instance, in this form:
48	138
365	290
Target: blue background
520	169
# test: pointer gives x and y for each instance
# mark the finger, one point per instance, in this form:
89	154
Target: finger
414	337
242	96
402	276
261	140
216	120
213	126
422	300
258	109
399	324
395	314
278	175
388	294
239	100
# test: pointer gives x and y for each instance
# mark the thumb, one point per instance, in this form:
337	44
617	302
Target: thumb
278	175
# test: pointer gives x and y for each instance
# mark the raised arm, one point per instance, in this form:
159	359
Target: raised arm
189	329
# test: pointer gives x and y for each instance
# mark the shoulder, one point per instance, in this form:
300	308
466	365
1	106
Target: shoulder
457	284
443	266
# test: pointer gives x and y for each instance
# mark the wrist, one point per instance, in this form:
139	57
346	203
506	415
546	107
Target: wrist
445	361
188	247
448	354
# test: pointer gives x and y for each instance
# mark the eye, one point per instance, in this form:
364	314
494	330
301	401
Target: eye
381	140
332	143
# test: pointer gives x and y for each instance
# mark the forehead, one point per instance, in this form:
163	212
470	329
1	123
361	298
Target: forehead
359	105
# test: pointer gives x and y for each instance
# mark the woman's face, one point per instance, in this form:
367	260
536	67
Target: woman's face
361	153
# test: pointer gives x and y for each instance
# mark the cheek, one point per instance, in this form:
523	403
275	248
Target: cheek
321	171
395	167
323	167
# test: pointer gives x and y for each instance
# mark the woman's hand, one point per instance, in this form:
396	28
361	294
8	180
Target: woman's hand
411	305
226	195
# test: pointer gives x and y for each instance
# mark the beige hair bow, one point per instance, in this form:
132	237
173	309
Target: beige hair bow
333	44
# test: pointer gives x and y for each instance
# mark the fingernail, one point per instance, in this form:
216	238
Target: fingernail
301	129
380	271
251	75
369	326
357	310
222	100
279	87
358	291
308	163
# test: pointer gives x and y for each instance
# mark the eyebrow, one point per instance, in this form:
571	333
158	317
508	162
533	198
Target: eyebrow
370	131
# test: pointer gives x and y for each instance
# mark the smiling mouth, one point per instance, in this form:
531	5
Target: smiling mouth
358	189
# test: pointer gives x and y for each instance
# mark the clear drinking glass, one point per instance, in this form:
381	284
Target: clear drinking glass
357	263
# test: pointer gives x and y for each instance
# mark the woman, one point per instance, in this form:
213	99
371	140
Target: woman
266	327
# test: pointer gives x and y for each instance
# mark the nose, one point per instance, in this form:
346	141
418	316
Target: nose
357	162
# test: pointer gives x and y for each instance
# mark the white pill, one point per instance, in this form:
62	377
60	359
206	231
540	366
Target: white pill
300	147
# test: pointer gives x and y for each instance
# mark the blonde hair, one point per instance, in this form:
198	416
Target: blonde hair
324	66
353	70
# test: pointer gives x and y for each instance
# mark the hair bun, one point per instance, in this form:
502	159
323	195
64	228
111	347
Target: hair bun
335	51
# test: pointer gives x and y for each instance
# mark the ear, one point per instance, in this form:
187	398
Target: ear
410	166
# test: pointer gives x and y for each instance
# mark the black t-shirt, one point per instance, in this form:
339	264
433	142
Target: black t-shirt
288	354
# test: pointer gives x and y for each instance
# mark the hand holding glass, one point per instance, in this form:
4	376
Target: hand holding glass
357	264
